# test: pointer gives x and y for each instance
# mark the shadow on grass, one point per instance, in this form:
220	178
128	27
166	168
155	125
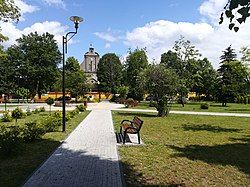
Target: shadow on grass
210	128
132	114
234	154
15	169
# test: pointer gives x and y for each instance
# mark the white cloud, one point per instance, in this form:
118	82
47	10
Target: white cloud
53	27
107	45
106	36
58	3
25	8
212	9
158	37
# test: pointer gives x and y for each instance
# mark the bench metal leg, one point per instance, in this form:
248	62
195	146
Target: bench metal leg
139	137
124	137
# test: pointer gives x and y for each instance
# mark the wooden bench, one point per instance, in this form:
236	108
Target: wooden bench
131	127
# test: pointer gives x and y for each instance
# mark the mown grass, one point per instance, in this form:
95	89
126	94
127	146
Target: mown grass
195	106
188	150
16	169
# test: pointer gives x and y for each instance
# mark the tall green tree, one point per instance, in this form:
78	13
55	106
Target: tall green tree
109	72
75	79
234	77
236	10
8	12
135	63
161	83
7	80
36	58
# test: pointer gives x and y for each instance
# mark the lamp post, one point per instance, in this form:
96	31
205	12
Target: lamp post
76	21
99	93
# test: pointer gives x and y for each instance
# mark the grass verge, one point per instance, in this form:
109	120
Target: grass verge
16	169
195	106
188	150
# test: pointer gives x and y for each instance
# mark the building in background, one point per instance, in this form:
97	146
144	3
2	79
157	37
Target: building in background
90	64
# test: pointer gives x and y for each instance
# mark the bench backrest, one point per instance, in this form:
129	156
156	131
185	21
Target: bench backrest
137	123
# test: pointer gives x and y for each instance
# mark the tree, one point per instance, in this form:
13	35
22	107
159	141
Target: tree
8	12
234	77
161	83
50	101
135	63
182	60
75	79
36	58
242	13
7	83
109	72
203	77
245	51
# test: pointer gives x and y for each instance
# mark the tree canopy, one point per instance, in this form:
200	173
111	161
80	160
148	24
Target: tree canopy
8	12
35	59
135	63
109	72
161	83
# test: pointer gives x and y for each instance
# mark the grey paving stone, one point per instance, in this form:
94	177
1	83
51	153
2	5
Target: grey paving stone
88	157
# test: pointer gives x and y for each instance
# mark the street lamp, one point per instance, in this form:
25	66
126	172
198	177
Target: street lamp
76	21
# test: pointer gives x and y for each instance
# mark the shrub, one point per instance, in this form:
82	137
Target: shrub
58	114
36	111
50	101
28	111
10	140
81	108
17	113
67	117
204	106
6	117
32	131
51	124
152	104
73	113
42	109
131	102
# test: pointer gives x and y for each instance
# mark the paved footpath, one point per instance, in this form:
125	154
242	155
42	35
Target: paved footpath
88	157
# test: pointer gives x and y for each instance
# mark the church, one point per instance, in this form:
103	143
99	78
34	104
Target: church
90	64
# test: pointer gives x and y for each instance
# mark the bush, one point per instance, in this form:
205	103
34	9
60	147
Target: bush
10	140
17	113
50	101
32	131
67	117
152	104
81	108
73	113
131	102
6	117
42	109
28	111
51	124
58	114
36	111
204	106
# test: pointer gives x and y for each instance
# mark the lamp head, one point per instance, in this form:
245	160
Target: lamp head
76	20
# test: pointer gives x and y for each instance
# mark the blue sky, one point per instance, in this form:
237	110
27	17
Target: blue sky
115	26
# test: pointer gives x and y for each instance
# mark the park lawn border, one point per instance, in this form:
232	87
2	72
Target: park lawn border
182	156
16	170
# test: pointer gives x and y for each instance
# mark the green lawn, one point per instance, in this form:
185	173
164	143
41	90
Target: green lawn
214	107
15	170
188	150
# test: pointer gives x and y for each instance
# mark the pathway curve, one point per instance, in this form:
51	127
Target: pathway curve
88	157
